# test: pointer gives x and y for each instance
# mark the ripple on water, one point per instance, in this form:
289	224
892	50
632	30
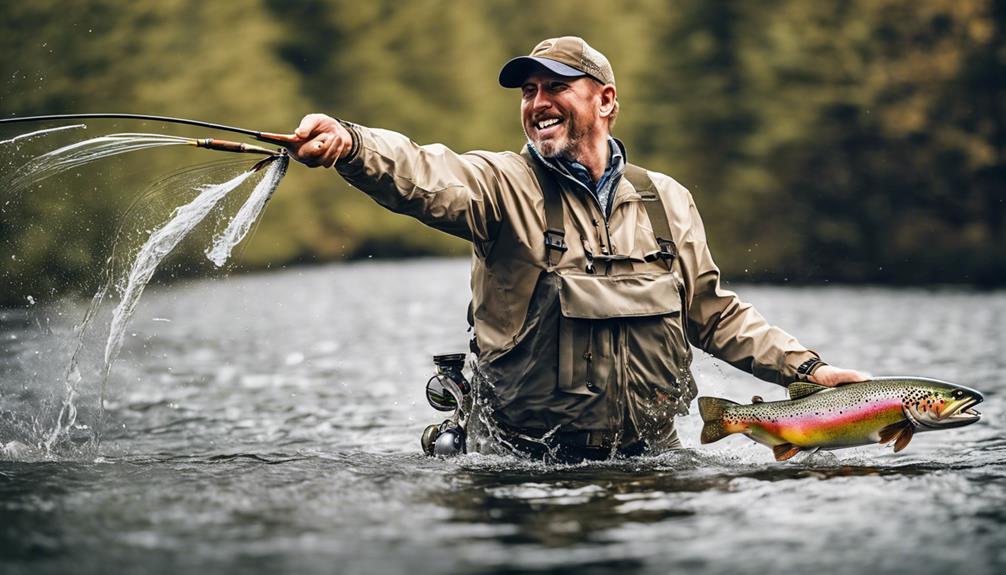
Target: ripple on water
288	440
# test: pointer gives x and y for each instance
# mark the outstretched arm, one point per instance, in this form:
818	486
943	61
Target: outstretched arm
732	330
455	193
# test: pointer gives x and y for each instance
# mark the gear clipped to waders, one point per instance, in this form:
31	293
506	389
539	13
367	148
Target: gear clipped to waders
446	391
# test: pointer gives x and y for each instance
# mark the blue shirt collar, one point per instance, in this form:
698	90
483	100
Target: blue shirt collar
603	188
616	160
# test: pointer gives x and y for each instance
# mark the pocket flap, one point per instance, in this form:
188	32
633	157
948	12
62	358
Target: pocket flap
588	296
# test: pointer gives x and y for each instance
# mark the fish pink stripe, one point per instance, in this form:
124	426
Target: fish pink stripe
826	422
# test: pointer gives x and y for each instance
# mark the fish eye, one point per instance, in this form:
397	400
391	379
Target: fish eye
959	394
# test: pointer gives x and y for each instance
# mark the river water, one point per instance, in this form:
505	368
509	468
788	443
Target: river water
270	423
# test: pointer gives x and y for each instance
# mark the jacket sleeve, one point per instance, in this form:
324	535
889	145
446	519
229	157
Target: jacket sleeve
454	193
726	327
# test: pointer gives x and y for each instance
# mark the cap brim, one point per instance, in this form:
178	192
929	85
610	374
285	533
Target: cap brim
516	71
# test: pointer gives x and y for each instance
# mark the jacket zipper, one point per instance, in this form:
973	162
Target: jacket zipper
606	247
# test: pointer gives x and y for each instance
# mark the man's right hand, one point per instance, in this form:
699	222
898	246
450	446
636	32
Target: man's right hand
320	140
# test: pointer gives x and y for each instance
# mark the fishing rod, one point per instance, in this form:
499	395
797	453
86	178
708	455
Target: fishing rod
207	143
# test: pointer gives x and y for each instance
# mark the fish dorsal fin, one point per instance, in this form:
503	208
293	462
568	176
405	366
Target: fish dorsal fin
900	433
784	451
800	389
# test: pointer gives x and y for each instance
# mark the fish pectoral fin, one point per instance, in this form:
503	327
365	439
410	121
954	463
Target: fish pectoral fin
903	438
799	389
888	433
784	451
900	433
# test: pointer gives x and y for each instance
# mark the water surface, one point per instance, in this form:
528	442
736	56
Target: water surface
270	423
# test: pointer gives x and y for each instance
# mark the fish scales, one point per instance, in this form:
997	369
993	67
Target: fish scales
817	417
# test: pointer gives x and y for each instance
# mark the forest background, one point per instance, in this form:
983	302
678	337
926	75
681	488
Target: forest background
856	141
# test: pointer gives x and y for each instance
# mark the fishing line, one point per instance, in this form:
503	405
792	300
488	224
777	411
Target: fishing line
30	135
261	136
84	152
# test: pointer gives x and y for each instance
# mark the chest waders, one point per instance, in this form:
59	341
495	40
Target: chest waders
602	360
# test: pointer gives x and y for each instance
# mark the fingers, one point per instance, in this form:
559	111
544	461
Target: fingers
832	376
336	150
319	140
311	124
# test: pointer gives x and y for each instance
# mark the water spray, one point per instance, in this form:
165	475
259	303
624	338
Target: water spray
161	242
208	143
260	136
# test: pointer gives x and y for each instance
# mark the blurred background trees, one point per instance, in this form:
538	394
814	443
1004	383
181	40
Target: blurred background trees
840	141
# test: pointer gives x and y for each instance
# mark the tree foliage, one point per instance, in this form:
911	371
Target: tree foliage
849	140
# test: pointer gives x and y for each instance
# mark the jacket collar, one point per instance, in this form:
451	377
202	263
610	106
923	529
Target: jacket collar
618	157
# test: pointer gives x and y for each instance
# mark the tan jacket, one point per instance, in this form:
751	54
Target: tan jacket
493	200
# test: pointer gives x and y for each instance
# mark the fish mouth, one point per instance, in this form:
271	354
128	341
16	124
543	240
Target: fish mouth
957	414
963	414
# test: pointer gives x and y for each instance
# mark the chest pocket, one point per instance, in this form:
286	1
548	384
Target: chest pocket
605	319
588	296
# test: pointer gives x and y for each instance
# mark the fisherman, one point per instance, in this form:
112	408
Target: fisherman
590	276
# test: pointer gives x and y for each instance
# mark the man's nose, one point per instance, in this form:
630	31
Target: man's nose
541	101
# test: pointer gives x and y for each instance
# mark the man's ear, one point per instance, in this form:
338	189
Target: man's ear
608	96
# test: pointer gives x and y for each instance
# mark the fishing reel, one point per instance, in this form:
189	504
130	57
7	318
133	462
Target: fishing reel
444	440
446	391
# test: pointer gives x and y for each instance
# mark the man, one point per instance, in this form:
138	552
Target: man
590	276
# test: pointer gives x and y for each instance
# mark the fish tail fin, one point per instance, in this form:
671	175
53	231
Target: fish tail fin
711	410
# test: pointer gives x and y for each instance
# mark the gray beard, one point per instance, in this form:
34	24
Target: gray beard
552	150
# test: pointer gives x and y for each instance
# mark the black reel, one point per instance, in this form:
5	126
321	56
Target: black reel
445	391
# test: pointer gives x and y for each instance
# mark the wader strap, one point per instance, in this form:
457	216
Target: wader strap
555	230
654	206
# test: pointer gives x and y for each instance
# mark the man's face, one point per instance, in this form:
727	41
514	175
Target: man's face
560	115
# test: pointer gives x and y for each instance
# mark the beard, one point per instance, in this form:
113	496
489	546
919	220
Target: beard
566	146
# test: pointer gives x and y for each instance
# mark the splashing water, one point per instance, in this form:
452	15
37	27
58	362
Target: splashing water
156	248
71	380
37	133
73	155
239	226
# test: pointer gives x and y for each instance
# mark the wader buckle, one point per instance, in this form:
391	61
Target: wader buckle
668	251
598	440
608	258
554	240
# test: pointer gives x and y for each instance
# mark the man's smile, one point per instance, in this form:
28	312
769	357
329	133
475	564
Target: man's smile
547	127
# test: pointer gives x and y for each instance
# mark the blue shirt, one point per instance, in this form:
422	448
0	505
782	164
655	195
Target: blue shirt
603	188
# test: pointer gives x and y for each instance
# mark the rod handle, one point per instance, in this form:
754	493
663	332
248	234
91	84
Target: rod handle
228	146
275	138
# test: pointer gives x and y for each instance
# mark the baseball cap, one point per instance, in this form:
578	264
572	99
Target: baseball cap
567	56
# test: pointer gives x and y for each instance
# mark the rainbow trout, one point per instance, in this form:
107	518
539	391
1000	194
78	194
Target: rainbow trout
881	410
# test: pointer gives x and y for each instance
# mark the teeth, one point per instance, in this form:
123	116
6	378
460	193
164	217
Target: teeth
546	123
